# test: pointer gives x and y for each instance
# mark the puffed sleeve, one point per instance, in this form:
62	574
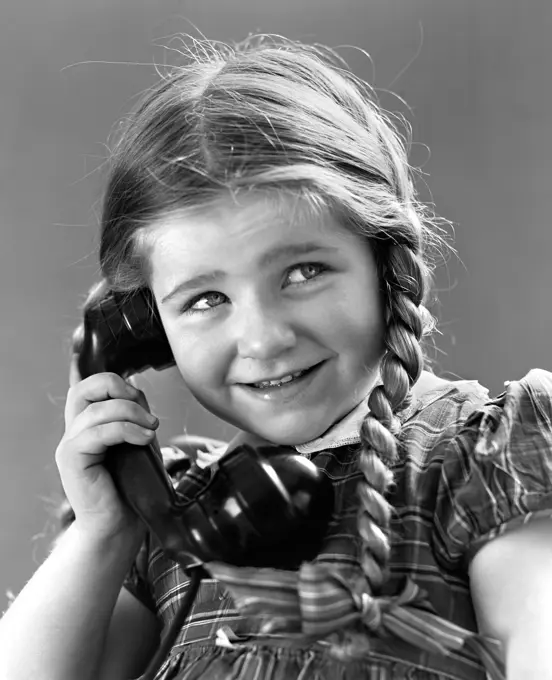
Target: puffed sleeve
496	470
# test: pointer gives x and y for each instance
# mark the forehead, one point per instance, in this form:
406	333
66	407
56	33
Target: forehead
237	231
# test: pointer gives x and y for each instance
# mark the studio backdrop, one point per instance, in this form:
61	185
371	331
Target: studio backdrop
475	80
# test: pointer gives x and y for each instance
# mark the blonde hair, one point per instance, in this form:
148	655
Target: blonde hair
273	114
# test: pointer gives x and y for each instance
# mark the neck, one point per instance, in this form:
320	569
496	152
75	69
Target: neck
426	382
243	437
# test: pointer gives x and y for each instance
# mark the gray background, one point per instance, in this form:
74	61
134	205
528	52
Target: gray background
477	78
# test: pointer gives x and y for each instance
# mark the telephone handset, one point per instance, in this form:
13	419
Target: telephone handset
264	506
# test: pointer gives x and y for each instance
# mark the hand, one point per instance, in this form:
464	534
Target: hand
101	411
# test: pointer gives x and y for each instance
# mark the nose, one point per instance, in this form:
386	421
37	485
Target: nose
263	333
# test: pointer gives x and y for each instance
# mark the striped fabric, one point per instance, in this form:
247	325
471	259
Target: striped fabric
317	602
470	470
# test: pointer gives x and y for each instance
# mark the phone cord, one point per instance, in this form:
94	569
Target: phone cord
175	627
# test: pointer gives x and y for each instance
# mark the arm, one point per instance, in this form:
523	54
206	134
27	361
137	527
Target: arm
511	585
57	627
132	639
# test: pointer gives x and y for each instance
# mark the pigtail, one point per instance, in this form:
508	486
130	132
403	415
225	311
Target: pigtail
404	282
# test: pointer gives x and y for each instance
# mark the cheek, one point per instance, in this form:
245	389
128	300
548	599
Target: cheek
199	357
356	322
362	337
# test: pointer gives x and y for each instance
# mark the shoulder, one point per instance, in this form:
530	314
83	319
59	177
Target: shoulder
434	391
464	413
516	421
495	471
439	408
519	418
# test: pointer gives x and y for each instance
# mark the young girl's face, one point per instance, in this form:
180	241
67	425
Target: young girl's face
256	291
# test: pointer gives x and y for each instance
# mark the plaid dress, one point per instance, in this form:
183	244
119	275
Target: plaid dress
470	469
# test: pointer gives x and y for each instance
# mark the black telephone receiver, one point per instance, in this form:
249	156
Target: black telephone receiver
264	505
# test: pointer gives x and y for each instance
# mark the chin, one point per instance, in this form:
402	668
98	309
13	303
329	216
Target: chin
285	436
286	430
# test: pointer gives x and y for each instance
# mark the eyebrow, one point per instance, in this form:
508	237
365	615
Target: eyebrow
287	250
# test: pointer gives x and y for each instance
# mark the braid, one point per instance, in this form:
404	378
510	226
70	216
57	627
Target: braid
400	369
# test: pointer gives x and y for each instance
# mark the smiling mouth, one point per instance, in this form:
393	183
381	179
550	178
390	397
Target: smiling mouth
286	380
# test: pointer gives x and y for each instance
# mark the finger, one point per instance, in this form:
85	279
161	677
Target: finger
134	380
97	440
111	411
141	397
97	387
74	375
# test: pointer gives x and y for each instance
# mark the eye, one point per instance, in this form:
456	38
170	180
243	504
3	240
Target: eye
308	271
305	267
203	303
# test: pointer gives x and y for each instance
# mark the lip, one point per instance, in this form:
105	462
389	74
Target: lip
288	391
279	376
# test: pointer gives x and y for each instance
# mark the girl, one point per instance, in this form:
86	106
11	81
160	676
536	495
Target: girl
266	202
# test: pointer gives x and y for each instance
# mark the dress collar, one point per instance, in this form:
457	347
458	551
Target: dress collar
346	431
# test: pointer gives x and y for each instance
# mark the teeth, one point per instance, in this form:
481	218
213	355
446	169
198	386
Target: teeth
281	381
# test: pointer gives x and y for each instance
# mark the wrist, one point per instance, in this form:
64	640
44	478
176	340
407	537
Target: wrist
121	540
